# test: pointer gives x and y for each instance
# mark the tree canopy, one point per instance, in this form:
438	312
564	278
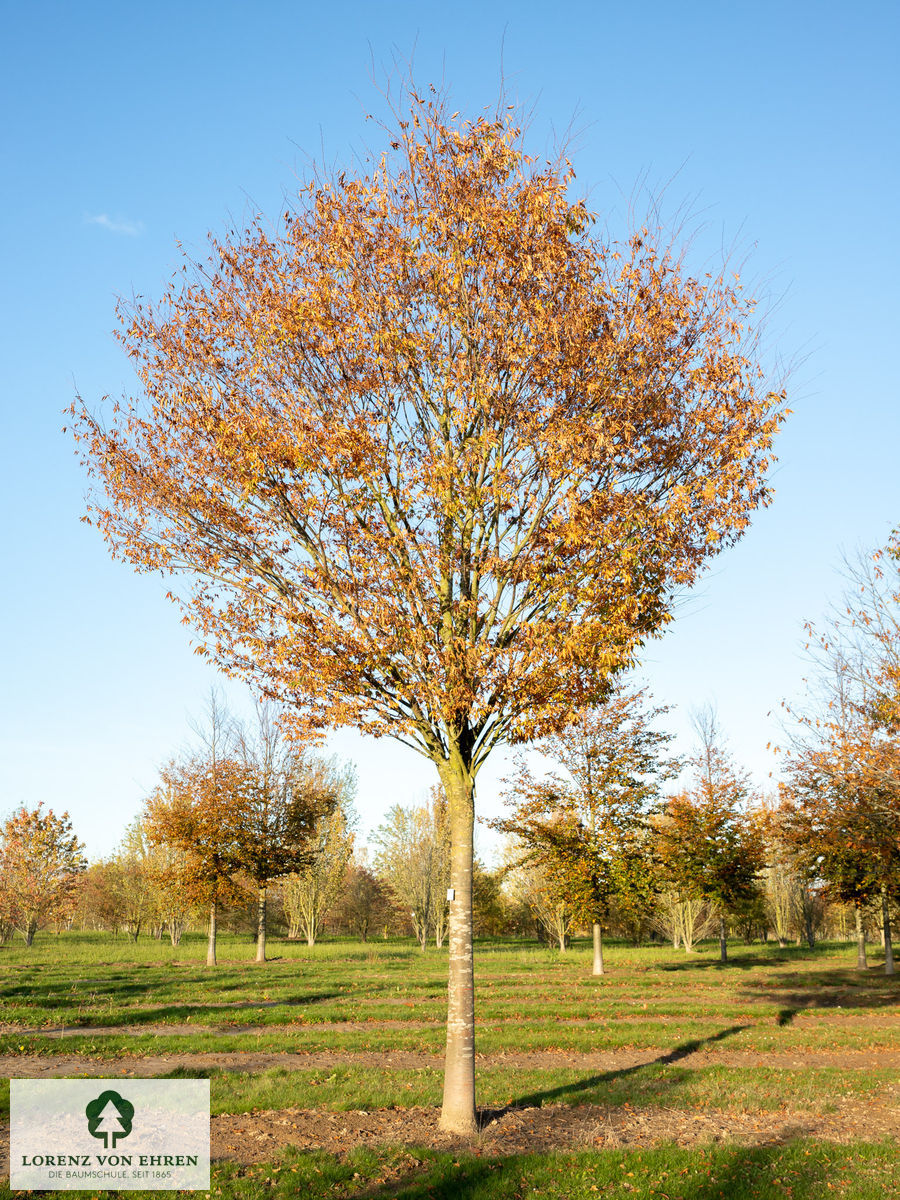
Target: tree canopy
432	456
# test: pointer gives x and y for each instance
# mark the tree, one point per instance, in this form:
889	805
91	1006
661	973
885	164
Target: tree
838	822
194	812
413	857
433	458
588	829
310	892
364	900
41	861
277	811
842	786
532	887
170	895
710	846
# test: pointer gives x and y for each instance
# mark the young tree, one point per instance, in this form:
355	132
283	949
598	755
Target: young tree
532	887
710	846
413	857
588	829
41	861
194	812
277	810
309	893
682	916
364	900
842	788
433	458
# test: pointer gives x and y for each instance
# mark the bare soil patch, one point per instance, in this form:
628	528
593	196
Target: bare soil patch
539	1130
261	1136
147	1066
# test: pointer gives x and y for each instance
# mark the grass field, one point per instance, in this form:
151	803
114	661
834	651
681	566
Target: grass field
672	1076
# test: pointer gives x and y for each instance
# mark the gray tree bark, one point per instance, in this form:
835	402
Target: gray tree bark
261	925
211	943
458	1109
598	949
861	963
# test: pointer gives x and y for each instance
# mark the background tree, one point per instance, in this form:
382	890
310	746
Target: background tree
194	812
413	857
41	861
710	846
682	915
364	901
588	829
277	810
490	915
171	901
309	893
434	457
842	786
543	893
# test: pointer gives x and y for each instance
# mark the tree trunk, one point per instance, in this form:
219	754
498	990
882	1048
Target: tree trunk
458	1109
861	963
310	935
886	928
723	941
261	925
561	937
598	950
30	930
211	944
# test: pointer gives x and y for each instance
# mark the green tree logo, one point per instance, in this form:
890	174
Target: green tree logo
109	1116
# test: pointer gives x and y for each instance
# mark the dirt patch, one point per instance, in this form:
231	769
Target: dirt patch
261	1137
539	1130
148	1066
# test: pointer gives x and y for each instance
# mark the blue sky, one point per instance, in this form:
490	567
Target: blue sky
127	127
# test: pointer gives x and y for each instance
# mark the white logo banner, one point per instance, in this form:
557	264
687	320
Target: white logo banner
105	1134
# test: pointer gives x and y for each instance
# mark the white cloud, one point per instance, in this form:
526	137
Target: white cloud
117	224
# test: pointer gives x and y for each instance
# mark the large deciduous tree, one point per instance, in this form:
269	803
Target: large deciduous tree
432	457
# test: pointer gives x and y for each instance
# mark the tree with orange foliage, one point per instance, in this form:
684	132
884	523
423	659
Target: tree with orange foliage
841	810
433	457
196	810
41	862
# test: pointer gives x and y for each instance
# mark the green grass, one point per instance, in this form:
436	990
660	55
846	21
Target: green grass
349	1087
802	1170
344	997
754	1089
492	1038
